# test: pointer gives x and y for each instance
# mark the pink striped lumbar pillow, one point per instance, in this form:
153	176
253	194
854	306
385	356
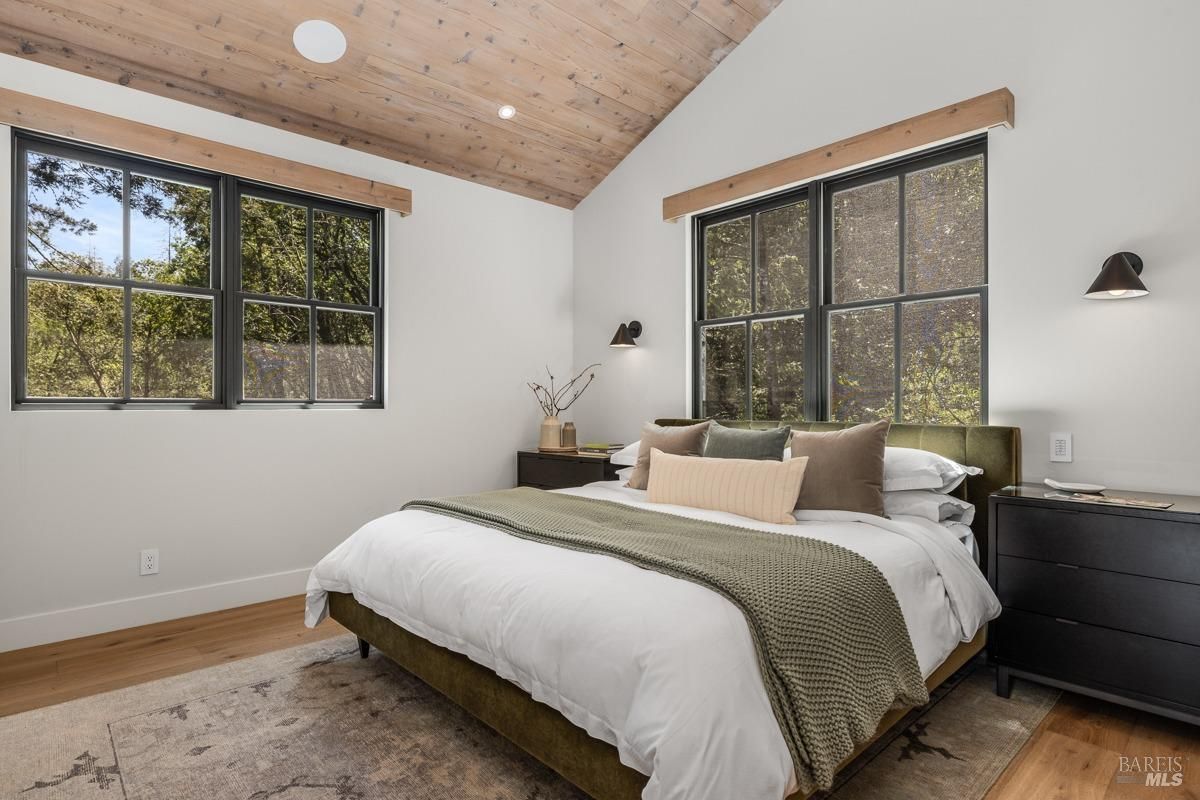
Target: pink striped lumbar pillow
762	490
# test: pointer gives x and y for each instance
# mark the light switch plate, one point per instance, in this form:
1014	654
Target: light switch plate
1060	447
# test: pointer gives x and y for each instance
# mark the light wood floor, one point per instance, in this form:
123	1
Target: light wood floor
1072	756
54	673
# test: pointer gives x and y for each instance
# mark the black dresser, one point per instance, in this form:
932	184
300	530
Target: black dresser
562	470
1101	600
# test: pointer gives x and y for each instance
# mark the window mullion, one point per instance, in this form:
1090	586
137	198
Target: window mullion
231	283
126	273
902	225
748	403
312	309
897	366
814	400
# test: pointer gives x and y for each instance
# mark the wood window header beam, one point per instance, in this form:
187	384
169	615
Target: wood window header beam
92	127
954	121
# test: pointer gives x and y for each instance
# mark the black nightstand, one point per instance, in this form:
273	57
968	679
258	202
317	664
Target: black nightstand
562	470
1100	600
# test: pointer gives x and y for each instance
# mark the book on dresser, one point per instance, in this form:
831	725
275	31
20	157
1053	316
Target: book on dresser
1103	600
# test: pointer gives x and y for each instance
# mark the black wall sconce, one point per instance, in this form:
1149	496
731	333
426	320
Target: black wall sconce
626	334
1118	279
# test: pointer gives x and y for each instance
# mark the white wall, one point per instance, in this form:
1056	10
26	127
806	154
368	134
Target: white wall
479	298
1103	158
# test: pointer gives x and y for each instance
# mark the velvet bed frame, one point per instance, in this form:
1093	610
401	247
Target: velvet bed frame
591	764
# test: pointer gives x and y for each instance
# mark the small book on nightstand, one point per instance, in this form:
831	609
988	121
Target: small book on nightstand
601	448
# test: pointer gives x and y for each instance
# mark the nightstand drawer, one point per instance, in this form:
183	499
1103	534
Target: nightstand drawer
1166	609
1093	655
557	473
1121	543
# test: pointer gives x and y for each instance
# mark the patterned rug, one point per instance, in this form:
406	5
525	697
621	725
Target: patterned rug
317	723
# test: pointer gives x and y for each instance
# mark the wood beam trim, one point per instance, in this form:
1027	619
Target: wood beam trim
72	122
970	116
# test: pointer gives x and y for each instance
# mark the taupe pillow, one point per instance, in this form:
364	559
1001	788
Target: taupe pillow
760	489
681	441
768	445
845	468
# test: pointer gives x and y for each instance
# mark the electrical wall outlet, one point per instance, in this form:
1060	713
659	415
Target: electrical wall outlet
1060	447
149	562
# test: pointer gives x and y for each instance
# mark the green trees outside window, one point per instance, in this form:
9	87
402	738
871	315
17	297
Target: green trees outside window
853	298
135	286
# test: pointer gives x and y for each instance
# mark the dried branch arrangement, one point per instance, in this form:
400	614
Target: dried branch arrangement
556	400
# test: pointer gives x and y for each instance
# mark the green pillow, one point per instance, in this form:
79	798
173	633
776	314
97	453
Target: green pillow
767	445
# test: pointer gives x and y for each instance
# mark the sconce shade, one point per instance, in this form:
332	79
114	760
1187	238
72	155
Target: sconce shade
1118	279
626	334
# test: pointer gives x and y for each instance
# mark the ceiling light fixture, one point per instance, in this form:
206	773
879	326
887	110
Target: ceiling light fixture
507	112
319	41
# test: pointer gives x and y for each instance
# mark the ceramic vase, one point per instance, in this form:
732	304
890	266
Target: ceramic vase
551	434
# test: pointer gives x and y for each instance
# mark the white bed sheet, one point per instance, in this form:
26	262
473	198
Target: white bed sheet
684	702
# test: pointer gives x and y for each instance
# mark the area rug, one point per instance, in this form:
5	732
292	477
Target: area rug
316	722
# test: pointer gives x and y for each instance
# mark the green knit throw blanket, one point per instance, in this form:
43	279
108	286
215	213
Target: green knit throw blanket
832	646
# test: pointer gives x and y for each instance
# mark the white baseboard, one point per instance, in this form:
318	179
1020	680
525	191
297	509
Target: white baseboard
71	623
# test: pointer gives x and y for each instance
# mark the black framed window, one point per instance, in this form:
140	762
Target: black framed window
852	298
143	283
307	299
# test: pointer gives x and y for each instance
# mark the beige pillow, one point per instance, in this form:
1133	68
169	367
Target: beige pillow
762	490
845	468
687	440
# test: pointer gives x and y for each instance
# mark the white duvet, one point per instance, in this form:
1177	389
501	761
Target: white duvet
662	668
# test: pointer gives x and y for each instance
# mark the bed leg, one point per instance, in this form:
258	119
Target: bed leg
1003	682
364	647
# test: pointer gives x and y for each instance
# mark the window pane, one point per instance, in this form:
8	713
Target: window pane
944	227
75	340
275	352
723	362
172	346
345	355
940	357
274	248
170	231
727	269
341	258
778	369
75	221
866	241
782	274
862	364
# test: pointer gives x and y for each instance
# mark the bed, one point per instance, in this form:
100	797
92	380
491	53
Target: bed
539	660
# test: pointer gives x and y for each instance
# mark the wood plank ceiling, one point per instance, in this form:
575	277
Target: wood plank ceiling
421	80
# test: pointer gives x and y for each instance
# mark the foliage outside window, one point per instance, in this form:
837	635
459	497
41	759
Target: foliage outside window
122	287
853	298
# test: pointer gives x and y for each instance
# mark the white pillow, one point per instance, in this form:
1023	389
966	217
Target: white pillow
623	474
907	468
627	456
931	505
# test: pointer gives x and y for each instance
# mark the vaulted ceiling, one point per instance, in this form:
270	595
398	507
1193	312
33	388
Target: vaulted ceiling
421	80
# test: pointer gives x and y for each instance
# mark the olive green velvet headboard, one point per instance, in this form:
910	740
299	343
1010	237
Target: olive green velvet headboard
993	448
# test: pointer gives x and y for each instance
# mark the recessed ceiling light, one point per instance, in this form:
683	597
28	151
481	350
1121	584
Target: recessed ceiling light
319	41
507	112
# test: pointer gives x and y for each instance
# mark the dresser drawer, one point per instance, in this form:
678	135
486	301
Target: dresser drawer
1166	609
557	473
1121	543
1091	655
